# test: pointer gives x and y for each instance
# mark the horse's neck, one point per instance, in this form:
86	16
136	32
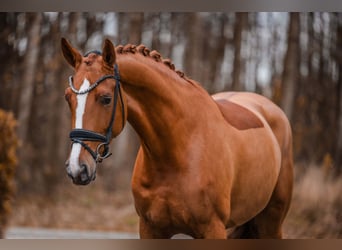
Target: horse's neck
160	106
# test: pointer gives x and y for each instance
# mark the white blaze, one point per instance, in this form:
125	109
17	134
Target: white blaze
80	108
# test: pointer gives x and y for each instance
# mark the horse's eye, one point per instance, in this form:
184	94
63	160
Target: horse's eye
105	100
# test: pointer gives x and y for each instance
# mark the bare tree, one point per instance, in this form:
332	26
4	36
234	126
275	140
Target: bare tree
33	22
26	93
291	65
215	55
241	21
194	46
338	154
136	21
8	64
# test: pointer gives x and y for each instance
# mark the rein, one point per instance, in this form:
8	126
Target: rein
81	135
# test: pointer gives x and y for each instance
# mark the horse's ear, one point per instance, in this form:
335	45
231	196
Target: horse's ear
73	57
108	53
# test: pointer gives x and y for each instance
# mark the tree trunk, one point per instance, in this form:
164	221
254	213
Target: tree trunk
122	28
194	48
72	27
291	66
56	139
154	24
175	21
338	154
216	54
8	23
136	21
241	20
26	94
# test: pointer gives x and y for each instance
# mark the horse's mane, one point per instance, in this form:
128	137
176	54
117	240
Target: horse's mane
143	50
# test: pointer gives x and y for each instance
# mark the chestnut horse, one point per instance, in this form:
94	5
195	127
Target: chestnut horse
206	164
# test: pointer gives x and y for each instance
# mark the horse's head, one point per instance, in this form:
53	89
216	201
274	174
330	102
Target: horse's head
98	108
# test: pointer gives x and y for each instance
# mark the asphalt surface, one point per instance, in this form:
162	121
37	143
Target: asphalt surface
45	233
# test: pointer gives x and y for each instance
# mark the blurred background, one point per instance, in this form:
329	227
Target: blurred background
295	59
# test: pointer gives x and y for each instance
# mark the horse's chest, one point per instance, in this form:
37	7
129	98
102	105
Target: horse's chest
161	210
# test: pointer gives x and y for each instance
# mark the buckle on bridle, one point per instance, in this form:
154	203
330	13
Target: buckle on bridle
106	153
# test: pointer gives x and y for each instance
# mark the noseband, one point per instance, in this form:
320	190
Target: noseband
81	135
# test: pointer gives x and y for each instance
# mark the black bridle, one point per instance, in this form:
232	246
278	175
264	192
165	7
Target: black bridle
80	135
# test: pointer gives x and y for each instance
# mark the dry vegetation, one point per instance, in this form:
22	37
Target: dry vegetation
89	207
8	160
316	210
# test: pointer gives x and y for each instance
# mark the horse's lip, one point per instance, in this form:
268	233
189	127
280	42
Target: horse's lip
80	182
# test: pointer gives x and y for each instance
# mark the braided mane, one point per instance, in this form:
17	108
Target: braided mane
143	50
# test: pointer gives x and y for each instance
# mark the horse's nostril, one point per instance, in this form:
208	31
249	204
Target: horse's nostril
68	170
81	176
84	173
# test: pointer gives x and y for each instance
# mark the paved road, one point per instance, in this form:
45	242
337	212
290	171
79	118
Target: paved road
44	233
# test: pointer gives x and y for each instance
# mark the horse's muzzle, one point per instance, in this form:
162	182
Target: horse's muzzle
81	177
